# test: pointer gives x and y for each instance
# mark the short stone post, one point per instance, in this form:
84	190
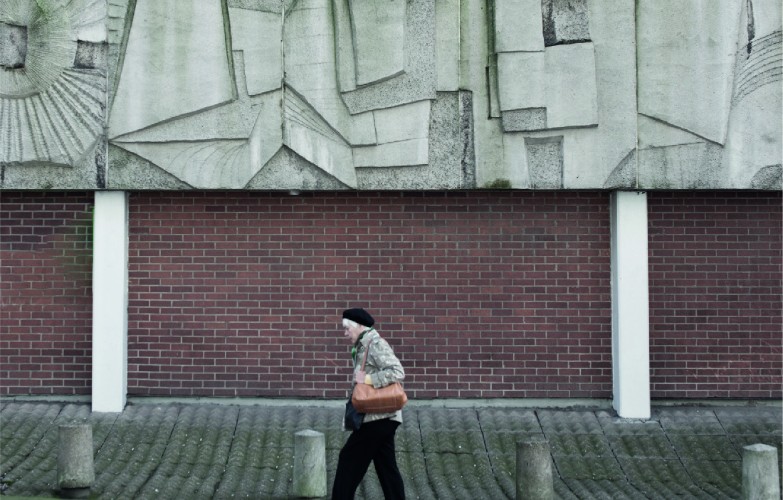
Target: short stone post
75	469
534	470
760	473
309	464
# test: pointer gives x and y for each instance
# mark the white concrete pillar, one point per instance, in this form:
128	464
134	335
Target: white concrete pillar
110	302
630	305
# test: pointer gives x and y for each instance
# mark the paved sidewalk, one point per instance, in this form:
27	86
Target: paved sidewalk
195	451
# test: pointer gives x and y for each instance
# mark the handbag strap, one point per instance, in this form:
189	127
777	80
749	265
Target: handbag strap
367	351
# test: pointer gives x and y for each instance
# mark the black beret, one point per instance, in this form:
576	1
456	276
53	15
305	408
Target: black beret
359	315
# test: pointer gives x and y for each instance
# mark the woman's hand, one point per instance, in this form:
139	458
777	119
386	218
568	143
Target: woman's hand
361	377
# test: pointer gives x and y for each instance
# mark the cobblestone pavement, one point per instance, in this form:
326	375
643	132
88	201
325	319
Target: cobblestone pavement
223	451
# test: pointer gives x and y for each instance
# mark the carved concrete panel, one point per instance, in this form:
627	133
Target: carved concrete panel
390	94
249	80
53	91
545	65
709	94
548	70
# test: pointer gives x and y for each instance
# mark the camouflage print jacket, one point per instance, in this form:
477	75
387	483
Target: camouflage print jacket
382	366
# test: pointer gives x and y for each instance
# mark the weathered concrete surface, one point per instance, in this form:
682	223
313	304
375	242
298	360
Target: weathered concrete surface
229	451
75	469
309	464
288	95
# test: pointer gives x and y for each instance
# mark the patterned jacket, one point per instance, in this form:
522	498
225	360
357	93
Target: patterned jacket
382	366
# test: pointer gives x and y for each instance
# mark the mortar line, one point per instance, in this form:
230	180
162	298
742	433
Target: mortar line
486	448
619	463
108	433
228	455
162	453
486	452
424	454
679	459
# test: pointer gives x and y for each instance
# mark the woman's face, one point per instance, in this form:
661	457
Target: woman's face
352	332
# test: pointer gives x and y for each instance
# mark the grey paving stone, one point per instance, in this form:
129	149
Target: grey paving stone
408	439
445	419
414	473
505	468
202	435
508	420
240	482
757	420
688	421
720	479
413	468
698	447
506	442
581	445
23	426
612	424
452	441
562	491
198	481
603	489
592	468
462	476
133	450
659	479
229	451
742	440
635	446
569	422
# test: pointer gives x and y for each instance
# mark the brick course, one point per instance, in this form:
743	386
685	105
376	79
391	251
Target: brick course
45	293
482	295
491	294
715	295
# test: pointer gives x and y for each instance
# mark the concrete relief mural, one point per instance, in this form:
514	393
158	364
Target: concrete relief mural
709	94
546	71
390	94
274	95
552	63
52	93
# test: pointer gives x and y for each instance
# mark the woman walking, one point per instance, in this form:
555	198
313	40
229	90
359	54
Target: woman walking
373	441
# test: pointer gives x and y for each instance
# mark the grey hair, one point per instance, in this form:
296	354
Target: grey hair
349	323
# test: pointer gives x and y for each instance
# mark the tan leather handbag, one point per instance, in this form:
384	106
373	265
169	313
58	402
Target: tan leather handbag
368	399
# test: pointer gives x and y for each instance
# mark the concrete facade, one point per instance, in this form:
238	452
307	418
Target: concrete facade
128	96
335	95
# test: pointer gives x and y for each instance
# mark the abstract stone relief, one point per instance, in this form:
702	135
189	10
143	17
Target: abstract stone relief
709	94
546	70
245	79
753	153
390	94
545	84
52	93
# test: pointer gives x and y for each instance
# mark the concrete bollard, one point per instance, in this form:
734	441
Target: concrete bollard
534	470
309	464
75	468
760	476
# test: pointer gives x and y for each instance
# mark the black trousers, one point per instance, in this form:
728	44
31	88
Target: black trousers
373	442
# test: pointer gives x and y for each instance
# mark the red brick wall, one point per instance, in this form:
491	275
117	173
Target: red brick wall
45	293
482	295
715	295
